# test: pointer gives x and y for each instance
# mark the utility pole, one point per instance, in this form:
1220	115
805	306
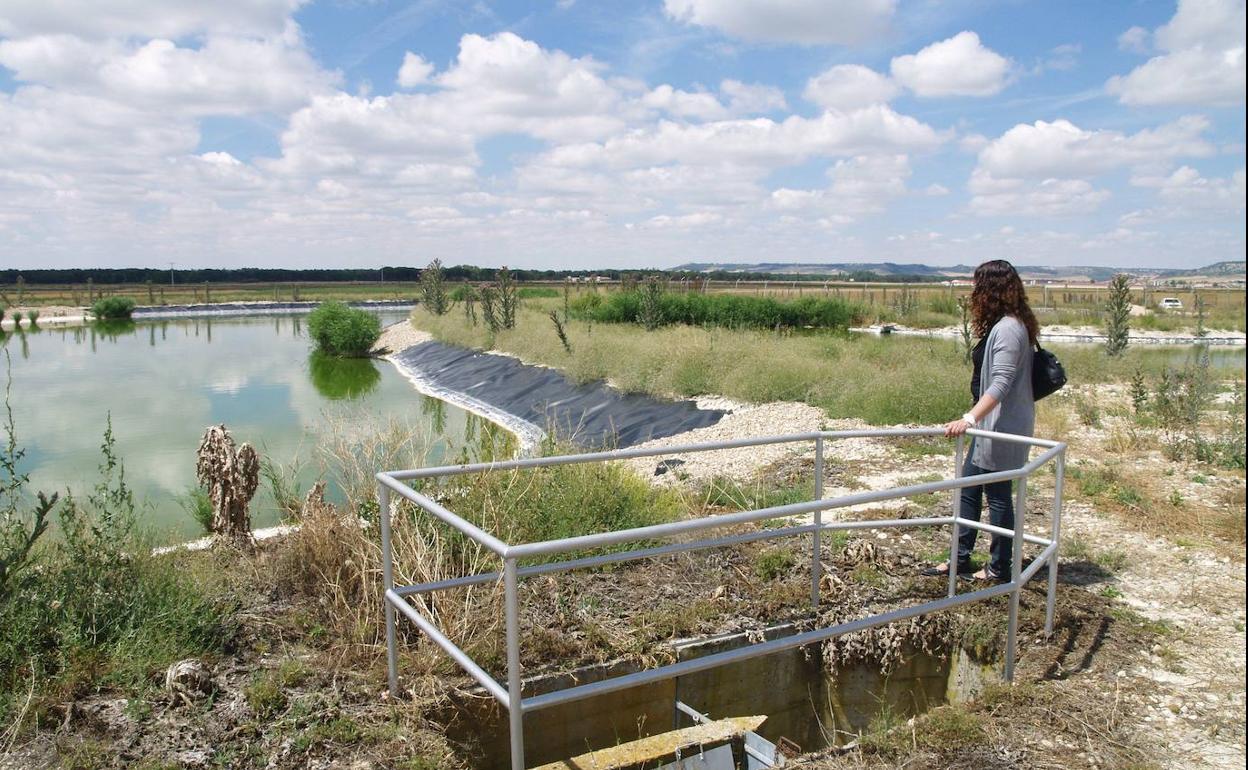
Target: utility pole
170	273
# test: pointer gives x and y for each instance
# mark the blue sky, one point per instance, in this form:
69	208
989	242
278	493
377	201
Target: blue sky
592	134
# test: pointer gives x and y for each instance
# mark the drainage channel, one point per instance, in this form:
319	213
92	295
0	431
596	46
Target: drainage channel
798	703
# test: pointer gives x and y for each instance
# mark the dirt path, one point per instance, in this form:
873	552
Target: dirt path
1189	687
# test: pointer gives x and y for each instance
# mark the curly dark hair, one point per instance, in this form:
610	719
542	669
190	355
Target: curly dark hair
999	292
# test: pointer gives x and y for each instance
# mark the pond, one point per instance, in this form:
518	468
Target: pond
162	382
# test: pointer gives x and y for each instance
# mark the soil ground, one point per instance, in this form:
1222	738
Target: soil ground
1146	668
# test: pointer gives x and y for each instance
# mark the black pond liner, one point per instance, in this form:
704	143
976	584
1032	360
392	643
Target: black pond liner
593	415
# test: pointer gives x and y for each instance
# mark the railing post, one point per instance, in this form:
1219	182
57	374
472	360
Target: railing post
816	565
1055	535
1016	567
956	529
387	583
515	707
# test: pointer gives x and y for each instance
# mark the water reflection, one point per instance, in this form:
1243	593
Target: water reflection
113	328
435	410
162	384
346	378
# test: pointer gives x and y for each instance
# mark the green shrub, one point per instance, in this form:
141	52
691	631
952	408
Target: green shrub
769	565
557	502
196	502
111	308
338	330
17	319
651	307
104	610
33	315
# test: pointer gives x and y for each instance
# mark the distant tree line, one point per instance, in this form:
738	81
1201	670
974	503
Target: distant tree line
455	274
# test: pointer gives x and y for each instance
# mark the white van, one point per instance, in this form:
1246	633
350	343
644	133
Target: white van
1170	303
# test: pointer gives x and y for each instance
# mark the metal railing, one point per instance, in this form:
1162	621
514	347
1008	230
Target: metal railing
510	696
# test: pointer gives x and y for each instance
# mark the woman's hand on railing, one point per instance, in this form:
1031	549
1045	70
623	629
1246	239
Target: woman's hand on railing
956	428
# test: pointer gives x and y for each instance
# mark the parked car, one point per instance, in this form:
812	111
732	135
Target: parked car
1170	303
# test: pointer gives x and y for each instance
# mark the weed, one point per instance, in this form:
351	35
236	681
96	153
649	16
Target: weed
138	709
198	505
265	696
868	575
104	610
921	447
1111	592
772	564
560	332
1139	391
1088	411
1125	614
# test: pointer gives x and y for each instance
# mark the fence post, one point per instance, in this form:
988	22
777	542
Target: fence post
515	707
387	583
956	529
1055	534
816	565
1016	566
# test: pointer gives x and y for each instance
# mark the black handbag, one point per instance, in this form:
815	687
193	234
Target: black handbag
1047	373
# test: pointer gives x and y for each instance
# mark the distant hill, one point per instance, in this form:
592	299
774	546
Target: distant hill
885	270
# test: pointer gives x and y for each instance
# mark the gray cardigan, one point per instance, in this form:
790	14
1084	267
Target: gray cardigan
1006	376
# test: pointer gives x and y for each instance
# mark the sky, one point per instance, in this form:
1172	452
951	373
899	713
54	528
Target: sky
587	134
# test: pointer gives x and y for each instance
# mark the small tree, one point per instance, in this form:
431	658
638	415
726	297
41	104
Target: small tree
650	311
1199	302
1118	315
968	347
231	477
508	298
433	294
470	304
490	312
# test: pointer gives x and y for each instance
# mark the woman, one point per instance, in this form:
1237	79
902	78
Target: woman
1002	402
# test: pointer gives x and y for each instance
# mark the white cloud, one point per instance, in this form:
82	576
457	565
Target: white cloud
1204	61
507	83
144	18
1063	58
1060	148
760	141
1134	40
224	76
959	66
1047	197
752	98
849	86
810	22
685	104
414	71
1196	194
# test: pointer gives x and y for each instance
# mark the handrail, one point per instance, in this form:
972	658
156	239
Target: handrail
395	597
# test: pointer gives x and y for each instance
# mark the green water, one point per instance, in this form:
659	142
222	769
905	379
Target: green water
163	382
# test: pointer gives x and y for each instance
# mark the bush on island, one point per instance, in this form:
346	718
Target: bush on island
112	308
338	330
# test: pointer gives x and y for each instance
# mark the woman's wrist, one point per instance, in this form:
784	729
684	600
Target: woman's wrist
970	420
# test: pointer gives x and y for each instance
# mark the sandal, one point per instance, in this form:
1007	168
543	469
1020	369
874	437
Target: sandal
942	570
988	575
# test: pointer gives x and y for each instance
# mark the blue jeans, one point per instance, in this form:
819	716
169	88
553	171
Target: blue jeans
1000	514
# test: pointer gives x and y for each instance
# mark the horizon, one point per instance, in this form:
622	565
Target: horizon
297	134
